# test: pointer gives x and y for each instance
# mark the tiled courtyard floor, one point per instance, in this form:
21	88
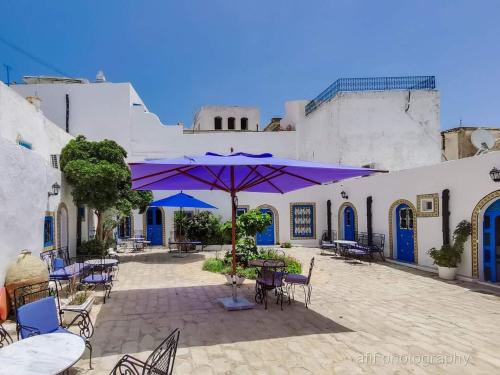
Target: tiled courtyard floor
364	319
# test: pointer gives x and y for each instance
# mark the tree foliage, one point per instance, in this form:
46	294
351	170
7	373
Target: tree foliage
100	178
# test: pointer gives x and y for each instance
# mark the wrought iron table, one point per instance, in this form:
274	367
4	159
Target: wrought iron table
260	263
47	354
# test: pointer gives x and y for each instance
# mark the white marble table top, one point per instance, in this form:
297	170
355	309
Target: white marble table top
345	242
47	354
104	262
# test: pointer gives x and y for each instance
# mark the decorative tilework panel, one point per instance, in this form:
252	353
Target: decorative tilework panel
303	221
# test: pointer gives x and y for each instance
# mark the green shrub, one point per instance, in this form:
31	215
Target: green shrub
214	265
451	255
92	247
286	245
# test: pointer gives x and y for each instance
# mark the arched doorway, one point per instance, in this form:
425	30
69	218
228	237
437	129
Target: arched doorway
491	242
403	231
348	222
62	226
269	235
477	240
405	248
125	227
154	225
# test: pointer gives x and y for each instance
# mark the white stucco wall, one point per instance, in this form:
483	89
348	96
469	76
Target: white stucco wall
204	118
27	176
359	128
467	179
97	110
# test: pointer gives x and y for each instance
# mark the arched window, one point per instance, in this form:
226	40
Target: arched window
230	123
244	123
218	123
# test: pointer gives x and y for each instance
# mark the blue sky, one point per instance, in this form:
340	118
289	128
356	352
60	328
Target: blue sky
180	55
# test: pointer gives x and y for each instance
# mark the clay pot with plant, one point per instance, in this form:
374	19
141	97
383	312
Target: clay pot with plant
448	257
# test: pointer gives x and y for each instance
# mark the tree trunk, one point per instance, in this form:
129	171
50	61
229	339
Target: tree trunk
99	234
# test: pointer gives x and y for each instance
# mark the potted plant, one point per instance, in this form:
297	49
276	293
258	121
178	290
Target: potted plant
240	277
78	300
448	257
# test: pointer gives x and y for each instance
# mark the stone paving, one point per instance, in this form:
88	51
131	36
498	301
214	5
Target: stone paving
377	318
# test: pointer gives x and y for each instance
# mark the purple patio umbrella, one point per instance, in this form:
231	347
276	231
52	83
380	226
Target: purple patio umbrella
234	173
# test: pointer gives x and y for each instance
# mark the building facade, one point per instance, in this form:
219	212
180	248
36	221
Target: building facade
392	126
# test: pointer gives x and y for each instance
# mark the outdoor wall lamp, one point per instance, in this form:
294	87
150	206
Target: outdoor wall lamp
344	195
495	174
55	189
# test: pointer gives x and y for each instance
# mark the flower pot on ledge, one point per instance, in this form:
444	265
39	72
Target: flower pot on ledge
447	273
68	316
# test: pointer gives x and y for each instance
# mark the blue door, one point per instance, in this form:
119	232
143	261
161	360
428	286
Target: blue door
266	237
349	227
404	233
491	243
154	220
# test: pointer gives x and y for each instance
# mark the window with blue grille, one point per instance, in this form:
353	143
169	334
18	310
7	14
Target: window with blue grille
303	220
48	231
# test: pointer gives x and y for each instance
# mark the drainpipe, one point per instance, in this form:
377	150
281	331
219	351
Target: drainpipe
329	218
67	113
369	227
445	197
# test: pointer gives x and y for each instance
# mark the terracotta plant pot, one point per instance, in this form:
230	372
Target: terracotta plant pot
27	270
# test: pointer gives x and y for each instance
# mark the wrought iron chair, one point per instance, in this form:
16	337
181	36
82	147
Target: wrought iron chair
160	361
97	273
270	277
61	267
5	338
38	312
293	279
326	242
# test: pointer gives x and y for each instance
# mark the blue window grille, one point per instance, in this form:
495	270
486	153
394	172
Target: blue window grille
48	231
371	84
25	144
303	220
241	211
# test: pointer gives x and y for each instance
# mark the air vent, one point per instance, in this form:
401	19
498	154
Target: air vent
54	159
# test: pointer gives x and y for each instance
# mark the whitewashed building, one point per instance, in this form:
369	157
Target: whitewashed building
388	123
32	216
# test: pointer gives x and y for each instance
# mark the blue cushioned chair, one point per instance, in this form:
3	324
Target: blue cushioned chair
41	317
97	274
293	279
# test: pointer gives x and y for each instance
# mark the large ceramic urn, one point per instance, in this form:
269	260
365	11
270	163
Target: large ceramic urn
27	270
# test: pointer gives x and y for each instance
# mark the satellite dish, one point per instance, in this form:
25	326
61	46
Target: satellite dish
482	140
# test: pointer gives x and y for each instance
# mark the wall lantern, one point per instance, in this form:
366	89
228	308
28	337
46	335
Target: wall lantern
344	195
495	174
55	189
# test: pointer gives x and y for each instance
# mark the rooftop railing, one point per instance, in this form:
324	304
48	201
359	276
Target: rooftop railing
371	84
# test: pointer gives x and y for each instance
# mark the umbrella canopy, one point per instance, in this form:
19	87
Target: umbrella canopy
237	172
234	173
181	200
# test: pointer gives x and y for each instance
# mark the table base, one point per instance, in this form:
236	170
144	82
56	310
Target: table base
230	304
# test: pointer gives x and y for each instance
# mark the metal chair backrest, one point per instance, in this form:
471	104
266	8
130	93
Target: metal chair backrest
56	258
273	272
161	361
5	338
33	292
311	266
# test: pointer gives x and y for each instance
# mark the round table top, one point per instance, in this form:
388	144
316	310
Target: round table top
345	242
47	354
98	262
268	263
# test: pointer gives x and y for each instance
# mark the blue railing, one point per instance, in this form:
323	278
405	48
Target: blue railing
371	84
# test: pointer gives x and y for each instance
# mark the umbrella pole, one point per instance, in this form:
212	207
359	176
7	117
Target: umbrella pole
233	235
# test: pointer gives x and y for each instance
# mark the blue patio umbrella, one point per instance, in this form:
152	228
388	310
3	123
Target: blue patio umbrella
181	200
